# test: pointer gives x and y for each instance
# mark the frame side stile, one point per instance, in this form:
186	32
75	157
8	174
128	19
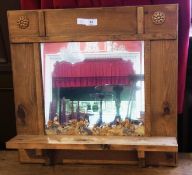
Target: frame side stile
147	68
39	88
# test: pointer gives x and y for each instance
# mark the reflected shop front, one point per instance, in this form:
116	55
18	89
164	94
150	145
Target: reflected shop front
94	88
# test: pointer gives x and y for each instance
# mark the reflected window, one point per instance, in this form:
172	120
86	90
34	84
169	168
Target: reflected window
94	88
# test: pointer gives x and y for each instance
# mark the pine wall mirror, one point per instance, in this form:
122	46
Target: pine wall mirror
95	82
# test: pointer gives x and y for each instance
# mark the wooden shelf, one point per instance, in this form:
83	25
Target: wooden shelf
164	144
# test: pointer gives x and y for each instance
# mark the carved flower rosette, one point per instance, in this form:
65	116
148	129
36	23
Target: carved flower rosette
158	17
23	22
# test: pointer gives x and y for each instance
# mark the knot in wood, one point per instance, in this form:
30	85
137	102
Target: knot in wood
21	113
158	17
166	108
23	22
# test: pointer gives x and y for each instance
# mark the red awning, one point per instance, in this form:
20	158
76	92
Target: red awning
90	73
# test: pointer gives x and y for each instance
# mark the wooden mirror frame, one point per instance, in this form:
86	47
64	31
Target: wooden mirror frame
156	25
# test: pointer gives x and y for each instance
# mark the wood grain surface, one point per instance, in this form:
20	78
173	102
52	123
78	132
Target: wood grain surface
24	81
164	58
113	23
165	144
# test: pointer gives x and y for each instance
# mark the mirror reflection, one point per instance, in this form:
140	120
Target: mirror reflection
94	88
